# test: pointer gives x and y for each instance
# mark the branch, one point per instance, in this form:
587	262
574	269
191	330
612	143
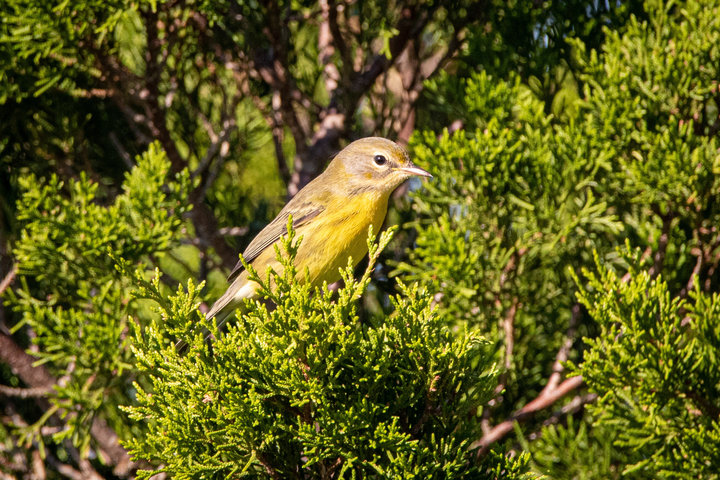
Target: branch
422	71
544	400
713	259
155	112
206	229
234	231
409	27
126	158
8	278
343	101
337	36
693	276
553	391
143	93
219	145
326	38
564	351
272	116
37	377
274	70
24	392
508	328
573	406
508	321
21	364
65	469
659	257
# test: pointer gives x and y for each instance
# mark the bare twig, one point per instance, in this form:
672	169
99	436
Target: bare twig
274	70
553	391
233	231
65	469
36	377
693	276
8	279
278	133
564	350
206	227
326	38
21	364
544	400
659	257
573	406
508	328
415	82
126	158
24	392
219	147
273	117
338	38
508	321
38	466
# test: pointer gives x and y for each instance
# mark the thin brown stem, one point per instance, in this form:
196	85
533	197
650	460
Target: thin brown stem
572	407
553	391
37	376
659	257
541	402
509	328
24	392
564	350
9	278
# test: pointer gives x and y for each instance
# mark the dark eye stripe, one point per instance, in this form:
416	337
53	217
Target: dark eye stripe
380	160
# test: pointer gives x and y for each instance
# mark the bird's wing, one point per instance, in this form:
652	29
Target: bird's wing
301	211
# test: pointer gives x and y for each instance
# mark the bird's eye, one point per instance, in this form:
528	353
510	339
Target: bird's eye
380	160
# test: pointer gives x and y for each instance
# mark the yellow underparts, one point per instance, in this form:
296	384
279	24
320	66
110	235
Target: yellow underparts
329	239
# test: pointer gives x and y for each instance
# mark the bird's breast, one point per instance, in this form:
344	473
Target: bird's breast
338	233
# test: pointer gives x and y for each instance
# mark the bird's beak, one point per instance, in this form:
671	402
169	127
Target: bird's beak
414	170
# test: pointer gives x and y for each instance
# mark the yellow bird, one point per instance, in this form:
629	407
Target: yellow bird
332	213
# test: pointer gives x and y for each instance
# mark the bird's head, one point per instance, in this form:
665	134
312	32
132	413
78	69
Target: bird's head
374	164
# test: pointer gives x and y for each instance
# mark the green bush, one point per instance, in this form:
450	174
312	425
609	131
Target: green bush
307	389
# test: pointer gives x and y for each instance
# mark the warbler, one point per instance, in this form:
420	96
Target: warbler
332	213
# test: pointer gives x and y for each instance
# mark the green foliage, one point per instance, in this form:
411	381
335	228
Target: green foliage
522	199
530	39
516	202
653	96
587	452
70	292
307	389
656	369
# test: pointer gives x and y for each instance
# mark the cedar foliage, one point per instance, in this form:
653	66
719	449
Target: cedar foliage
306	389
67	252
525	201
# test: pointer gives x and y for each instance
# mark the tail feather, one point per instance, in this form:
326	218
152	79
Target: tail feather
224	307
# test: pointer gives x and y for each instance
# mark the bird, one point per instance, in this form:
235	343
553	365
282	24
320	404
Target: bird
332	214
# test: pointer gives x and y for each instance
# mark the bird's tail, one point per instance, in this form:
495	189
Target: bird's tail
224	307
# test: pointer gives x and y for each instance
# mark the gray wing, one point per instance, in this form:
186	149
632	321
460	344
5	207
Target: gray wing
301	211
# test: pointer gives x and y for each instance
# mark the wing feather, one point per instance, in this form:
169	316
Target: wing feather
302	213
